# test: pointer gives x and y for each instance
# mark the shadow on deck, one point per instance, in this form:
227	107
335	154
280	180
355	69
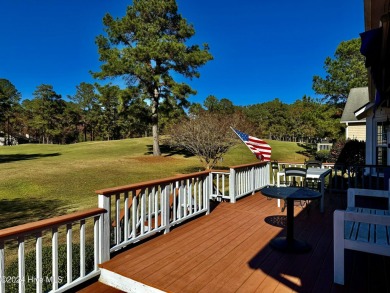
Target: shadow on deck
228	251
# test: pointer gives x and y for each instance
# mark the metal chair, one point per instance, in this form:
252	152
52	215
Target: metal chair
313	164
291	175
313	183
275	169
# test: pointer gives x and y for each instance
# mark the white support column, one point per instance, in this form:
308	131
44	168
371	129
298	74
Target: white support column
208	190
166	209
105	203
232	185
253	180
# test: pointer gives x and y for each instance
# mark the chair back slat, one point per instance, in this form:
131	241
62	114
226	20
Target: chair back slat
313	164
295	172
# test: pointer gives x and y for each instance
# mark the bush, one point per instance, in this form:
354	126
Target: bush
11	272
350	152
323	156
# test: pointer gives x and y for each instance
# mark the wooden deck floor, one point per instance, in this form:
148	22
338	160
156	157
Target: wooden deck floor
228	251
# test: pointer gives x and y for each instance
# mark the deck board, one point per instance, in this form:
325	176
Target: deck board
228	251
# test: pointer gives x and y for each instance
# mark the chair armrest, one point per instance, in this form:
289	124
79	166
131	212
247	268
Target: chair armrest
358	217
340	217
353	192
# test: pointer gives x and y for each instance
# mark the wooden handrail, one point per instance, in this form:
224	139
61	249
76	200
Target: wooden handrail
29	228
135	186
249	165
219	171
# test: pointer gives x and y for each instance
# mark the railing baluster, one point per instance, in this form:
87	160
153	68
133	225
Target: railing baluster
38	262
24	232
117	219
150	208
157	212
143	210
69	248
82	248
55	257
126	221
2	267
184	190
134	212
21	264
176	200
190	196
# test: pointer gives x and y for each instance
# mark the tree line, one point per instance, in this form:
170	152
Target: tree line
98	112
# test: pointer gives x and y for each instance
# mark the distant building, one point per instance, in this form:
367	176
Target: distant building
3	140
355	128
324	145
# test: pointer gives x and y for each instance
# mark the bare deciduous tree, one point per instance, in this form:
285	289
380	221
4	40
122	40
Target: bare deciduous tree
207	135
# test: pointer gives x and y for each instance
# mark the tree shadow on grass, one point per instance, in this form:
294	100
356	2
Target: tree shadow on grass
168	151
308	150
19	211
24	157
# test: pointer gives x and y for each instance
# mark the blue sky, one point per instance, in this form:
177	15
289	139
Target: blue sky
262	49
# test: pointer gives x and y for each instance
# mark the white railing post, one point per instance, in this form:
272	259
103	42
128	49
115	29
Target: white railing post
97	231
209	191
266	177
104	239
232	185
253	179
166	209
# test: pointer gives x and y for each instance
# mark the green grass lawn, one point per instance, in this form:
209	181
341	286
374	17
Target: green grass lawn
42	181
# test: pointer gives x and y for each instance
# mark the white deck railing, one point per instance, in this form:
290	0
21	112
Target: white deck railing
126	214
19	236
138	211
239	181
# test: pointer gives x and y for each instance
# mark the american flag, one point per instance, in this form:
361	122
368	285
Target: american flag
259	147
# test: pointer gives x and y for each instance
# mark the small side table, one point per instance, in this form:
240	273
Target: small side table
289	243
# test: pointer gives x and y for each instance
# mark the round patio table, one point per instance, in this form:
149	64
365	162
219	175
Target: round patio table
289	243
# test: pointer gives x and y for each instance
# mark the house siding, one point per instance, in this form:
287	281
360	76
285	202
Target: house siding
356	131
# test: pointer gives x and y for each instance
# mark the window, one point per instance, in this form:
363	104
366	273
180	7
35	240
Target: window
381	143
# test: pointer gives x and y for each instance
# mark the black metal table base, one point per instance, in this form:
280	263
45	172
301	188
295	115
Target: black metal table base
293	245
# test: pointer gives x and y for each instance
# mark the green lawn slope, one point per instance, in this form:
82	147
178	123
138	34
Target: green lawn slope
42	181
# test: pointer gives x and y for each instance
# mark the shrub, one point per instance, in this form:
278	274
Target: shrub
323	156
350	152
11	272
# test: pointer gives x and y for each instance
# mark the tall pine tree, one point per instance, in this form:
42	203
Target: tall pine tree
146	47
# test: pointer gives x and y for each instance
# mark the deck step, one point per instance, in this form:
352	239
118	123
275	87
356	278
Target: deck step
111	282
99	287
123	283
